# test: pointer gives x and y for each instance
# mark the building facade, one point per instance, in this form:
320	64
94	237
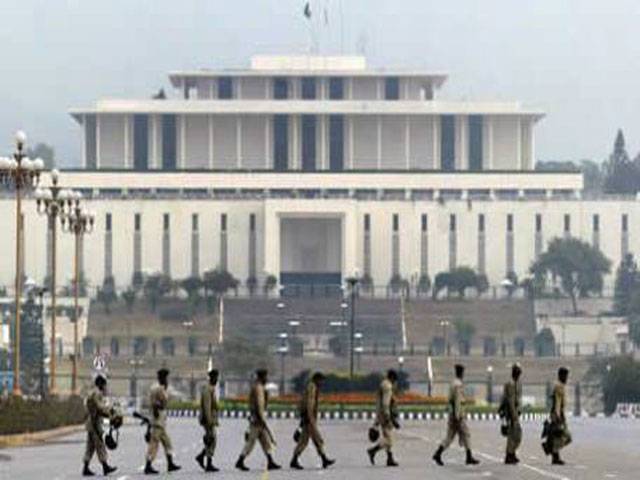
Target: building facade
312	169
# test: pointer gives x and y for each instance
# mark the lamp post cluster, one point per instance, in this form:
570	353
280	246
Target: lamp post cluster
54	203
78	222
22	175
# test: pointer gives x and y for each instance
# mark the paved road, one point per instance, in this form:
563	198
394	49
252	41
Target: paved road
603	449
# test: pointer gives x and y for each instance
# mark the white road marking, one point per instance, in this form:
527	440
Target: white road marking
123	477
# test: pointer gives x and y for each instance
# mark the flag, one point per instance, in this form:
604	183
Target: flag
307	10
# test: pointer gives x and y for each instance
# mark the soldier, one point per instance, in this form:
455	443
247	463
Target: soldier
209	421
97	409
510	409
559	435
457	424
159	398
309	423
258	428
386	418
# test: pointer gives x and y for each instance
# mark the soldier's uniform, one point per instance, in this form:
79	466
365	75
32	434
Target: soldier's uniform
209	417
258	430
159	398
97	409
560	435
309	421
457	423
385	410
511	407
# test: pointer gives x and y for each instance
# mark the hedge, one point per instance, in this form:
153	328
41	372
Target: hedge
18	415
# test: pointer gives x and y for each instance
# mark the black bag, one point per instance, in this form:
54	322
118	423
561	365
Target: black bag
374	434
111	440
504	427
297	434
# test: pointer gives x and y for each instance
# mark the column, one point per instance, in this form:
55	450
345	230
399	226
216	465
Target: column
239	142
436	142
268	163
272	242
519	143
407	142
211	141
350	137
379	142
182	120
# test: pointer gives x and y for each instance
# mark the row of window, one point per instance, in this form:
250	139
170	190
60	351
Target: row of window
166	222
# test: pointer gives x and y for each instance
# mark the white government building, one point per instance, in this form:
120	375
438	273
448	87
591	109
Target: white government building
311	168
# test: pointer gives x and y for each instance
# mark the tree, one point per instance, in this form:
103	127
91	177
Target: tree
44	151
252	284
579	266
239	356
192	285
440	283
396	283
513	284
620	380
545	343
464	334
626	282
107	293
462	278
155	287
269	284
424	284
129	297
482	284
622	174
218	282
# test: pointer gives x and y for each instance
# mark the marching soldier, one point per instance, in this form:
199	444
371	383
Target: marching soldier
309	423
159	398
559	435
97	409
258	428
510	409
209	422
386	418
457	424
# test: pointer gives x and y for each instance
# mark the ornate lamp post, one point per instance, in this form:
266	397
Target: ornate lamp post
21	174
52	202
353	282
78	222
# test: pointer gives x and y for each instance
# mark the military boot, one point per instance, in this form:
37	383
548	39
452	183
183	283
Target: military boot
391	462
372	454
210	467
240	464
86	471
149	470
172	467
556	460
295	463
107	469
200	459
271	464
510	459
326	461
437	457
470	459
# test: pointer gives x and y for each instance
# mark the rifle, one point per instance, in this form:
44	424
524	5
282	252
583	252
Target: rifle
144	421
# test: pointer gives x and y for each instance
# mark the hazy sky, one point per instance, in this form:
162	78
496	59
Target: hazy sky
579	60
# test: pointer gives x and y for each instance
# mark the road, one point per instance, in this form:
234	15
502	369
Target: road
603	449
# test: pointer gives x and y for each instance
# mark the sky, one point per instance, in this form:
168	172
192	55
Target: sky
578	60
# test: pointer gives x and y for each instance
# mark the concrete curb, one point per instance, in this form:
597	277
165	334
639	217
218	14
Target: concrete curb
30	438
360	415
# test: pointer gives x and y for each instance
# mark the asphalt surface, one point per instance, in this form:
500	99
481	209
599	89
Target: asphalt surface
603	449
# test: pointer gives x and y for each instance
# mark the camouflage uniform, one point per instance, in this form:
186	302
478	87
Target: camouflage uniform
97	409
511	407
258	430
385	410
457	423
209	417
159	398
309	421
560	435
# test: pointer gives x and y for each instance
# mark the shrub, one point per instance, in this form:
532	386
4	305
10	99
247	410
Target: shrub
336	383
20	415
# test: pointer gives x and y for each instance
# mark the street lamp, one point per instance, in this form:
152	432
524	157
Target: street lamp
359	348
445	324
19	173
79	222
283	350
51	202
400	363
188	325
353	284
490	384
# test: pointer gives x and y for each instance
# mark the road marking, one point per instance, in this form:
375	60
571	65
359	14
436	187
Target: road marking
123	477
265	476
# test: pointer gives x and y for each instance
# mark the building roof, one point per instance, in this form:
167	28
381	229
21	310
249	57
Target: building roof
300	107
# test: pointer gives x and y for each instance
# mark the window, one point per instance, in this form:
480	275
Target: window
625	222
396	222
252	222
367	222
447	143
424	223
510	223
308	143
336	143
194	222
280	143
567	223
596	223
223	222
225	88
475	143
165	222
308	88
280	89
137	222
452	223
107	222
538	223
140	142
336	88
392	88
169	142
481	223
